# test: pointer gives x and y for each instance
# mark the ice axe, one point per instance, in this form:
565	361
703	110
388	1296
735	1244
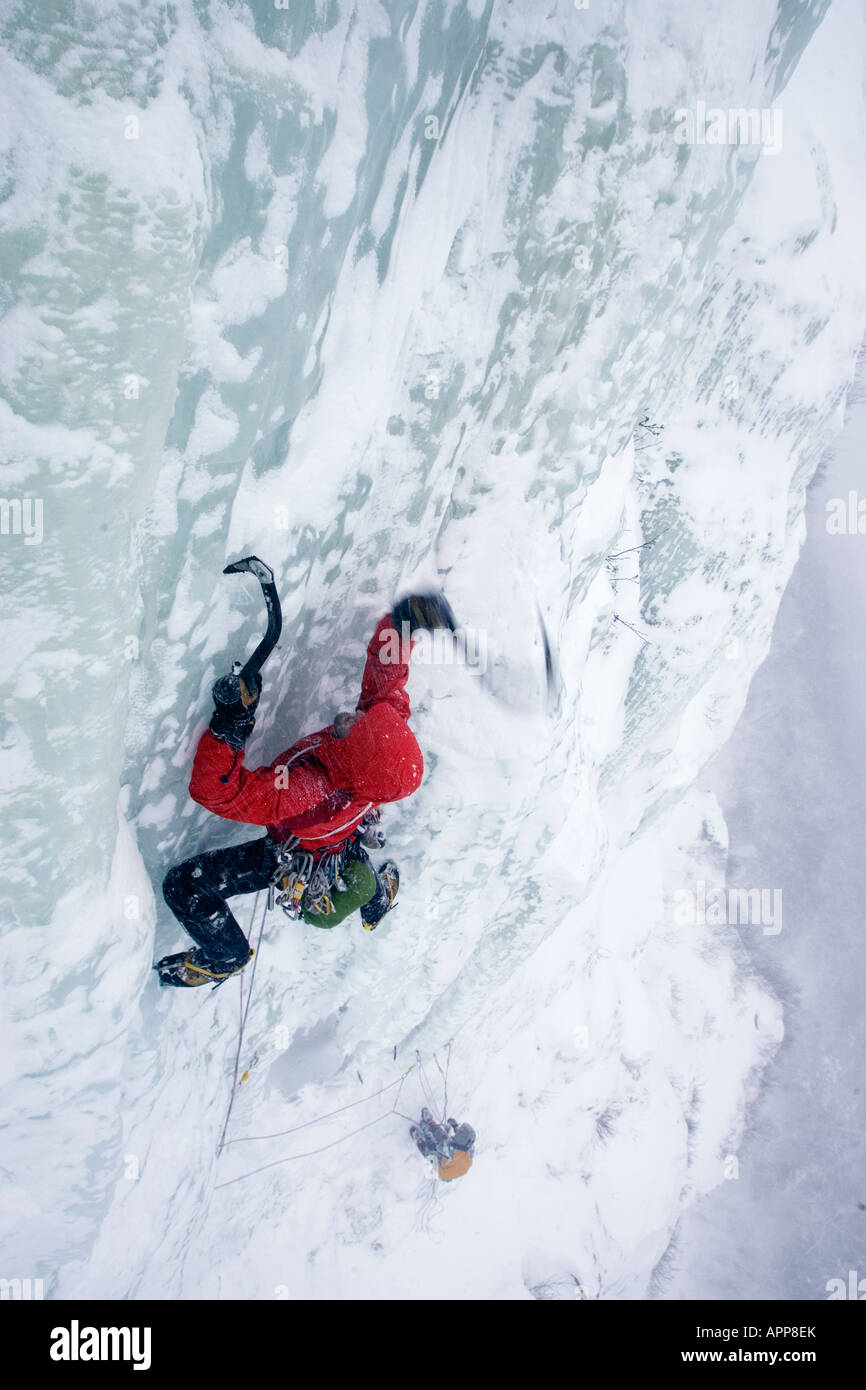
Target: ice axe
247	676
509	684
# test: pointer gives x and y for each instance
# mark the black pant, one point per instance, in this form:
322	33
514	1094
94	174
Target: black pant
196	892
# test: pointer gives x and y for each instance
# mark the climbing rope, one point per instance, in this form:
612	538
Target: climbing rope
430	1208
244	1012
281	1134
250	1138
427	1091
310	1153
444	1075
425	1084
318	1119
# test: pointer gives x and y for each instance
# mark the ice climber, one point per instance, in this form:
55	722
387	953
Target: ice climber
319	802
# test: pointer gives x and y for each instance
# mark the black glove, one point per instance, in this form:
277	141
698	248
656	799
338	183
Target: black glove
232	720
424	610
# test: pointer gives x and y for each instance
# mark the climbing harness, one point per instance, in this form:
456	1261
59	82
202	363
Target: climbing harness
302	883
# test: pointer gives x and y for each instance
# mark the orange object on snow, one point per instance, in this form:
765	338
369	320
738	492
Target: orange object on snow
454	1167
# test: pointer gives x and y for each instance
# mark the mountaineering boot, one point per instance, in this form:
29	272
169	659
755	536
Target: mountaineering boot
187	969
383	899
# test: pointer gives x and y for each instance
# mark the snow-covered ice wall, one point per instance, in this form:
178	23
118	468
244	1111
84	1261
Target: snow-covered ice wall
381	292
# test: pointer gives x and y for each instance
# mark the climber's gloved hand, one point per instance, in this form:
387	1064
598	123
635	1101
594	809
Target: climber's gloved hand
424	611
233	720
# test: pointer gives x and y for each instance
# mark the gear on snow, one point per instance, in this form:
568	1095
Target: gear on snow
451	1144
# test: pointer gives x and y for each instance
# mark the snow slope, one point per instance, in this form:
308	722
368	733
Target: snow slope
257	299
793	1221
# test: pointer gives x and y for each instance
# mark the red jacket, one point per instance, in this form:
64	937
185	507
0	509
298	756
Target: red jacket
321	788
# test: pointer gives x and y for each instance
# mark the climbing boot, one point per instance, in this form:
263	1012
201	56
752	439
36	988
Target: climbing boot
188	969
383	899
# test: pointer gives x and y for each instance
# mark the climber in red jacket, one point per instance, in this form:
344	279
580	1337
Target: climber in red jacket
319	803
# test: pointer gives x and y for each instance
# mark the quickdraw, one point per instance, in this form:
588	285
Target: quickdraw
302	883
